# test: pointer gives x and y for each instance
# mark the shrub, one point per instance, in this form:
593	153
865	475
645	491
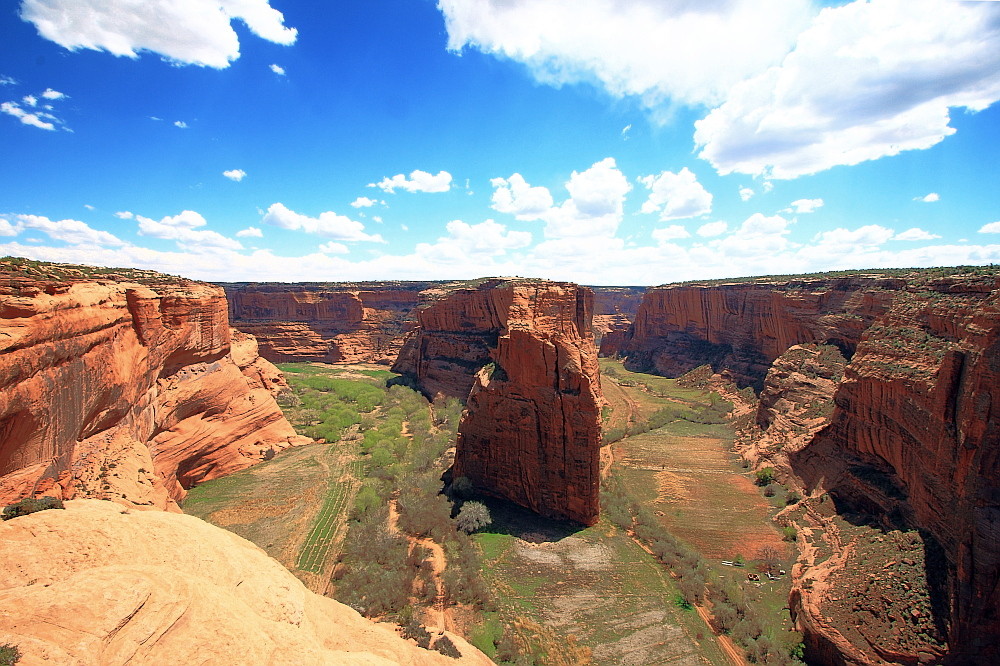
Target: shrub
793	497
473	516
9	654
31	505
788	533
770	490
445	646
765	476
417	632
462	488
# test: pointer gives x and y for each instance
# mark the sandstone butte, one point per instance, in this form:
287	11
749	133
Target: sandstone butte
366	322
912	435
128	390
97	584
521	353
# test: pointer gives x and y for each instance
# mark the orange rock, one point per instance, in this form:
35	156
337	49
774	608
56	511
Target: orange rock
97	584
127	391
522	353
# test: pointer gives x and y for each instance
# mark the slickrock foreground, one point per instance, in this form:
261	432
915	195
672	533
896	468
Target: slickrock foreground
96	584
522	353
911	437
117	389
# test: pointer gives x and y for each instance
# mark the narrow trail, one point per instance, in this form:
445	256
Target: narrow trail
438	560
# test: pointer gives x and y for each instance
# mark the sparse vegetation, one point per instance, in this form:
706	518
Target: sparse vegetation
9	654
31	505
765	476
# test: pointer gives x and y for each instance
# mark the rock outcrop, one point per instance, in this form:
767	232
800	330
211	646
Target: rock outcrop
97	584
362	322
123	390
521	352
914	436
614	310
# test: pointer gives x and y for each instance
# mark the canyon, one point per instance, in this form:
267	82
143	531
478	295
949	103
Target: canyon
521	354
885	383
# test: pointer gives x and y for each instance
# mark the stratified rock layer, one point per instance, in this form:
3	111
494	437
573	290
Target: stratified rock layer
914	437
361	322
128	391
96	584
522	354
614	310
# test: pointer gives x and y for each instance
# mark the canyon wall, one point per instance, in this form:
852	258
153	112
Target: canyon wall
129	391
911	438
361	322
97	584
614	310
521	352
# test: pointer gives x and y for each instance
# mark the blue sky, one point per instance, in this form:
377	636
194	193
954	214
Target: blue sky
598	141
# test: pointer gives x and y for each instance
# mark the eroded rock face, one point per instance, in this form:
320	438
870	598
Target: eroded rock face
128	391
913	439
522	353
332	323
97	584
614	310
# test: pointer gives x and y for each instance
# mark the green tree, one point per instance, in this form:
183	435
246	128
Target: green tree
473	516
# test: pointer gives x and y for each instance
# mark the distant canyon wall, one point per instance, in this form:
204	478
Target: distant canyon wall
521	353
913	435
128	391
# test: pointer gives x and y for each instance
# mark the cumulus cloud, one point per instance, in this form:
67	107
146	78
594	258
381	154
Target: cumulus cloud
712	229
673	232
803	206
635	47
235	174
514	196
183	228
8	229
868	235
328	224
181	124
595	205
915	234
746	194
472	242
334	248
364	202
30	100
250	232
866	80
186	32
277	69
419	181
929	198
28	118
991	228
124	215
676	195
53	94
73	232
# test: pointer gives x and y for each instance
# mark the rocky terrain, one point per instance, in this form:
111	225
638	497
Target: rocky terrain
904	436
127	386
521	352
614	310
97	584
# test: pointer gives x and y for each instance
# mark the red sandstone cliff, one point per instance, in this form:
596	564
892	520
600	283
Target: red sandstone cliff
522	353
127	391
913	438
614	310
333	323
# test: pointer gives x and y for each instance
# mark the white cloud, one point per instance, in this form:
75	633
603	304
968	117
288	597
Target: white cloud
73	232
332	247
758	238
419	181
30	100
188	32
277	69
181	124
746	193
88	207
626	130
991	228
250	232
676	195
472	242
182	228
868	235
803	206
328	224
648	48
595	206
53	94
235	174
7	80
8	229
673	232
712	229
124	215
865	80
514	196
364	202
33	119
929	198
915	234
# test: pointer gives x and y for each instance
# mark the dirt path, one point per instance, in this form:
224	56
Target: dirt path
439	562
